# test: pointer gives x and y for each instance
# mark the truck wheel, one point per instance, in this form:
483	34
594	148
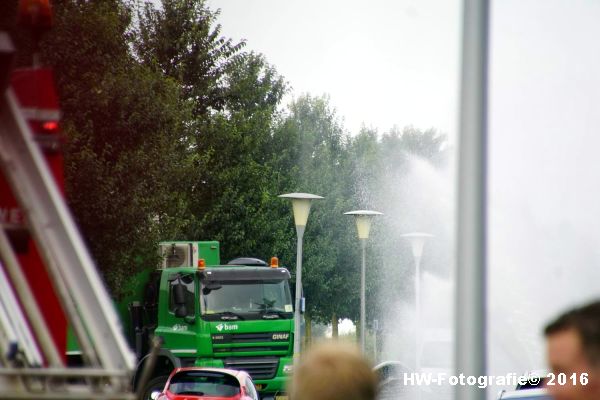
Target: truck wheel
154	385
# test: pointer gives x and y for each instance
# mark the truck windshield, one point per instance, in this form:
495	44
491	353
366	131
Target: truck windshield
247	299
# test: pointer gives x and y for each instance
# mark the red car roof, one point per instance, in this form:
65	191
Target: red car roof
239	375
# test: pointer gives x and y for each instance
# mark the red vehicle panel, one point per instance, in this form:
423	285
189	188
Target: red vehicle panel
35	91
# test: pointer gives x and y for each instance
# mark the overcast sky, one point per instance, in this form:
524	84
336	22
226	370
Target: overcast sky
383	62
397	62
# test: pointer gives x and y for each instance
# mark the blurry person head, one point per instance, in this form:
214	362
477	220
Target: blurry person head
333	371
573	343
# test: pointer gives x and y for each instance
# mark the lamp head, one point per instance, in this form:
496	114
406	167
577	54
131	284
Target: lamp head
363	221
301	205
417	241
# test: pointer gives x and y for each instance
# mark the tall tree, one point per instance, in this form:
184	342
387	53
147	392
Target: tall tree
235	190
234	96
317	153
183	40
123	124
397	171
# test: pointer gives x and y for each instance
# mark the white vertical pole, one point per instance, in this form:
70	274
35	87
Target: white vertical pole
470	335
297	315
418	313
363	244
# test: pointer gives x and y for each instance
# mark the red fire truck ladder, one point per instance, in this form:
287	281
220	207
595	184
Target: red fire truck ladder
31	367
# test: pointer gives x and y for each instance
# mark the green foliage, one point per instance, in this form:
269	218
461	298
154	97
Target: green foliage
317	154
123	123
182	39
235	185
174	132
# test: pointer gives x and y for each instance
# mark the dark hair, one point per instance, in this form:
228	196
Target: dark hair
585	321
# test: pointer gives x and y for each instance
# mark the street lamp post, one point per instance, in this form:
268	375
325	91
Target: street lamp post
301	208
363	226
417	241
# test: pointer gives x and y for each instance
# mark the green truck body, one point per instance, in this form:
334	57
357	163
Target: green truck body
231	316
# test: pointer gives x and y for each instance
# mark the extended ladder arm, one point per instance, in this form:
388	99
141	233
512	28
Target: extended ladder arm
80	288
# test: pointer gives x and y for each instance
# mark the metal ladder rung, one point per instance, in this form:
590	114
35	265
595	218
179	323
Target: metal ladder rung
13	321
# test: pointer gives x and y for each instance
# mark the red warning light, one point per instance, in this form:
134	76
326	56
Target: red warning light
50	126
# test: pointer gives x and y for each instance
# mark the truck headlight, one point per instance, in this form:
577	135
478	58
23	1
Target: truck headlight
288	369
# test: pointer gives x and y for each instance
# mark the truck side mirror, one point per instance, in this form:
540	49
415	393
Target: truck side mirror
179	299
181	311
178	294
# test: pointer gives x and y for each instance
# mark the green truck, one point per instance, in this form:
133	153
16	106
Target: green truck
237	316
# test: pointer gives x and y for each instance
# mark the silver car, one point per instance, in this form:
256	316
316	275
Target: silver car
528	394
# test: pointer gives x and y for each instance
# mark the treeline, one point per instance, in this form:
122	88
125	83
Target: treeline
175	132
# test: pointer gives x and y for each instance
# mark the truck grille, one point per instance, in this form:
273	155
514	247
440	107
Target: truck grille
250	337
249	348
257	367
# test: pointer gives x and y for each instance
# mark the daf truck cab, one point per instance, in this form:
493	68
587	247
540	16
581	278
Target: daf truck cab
237	316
